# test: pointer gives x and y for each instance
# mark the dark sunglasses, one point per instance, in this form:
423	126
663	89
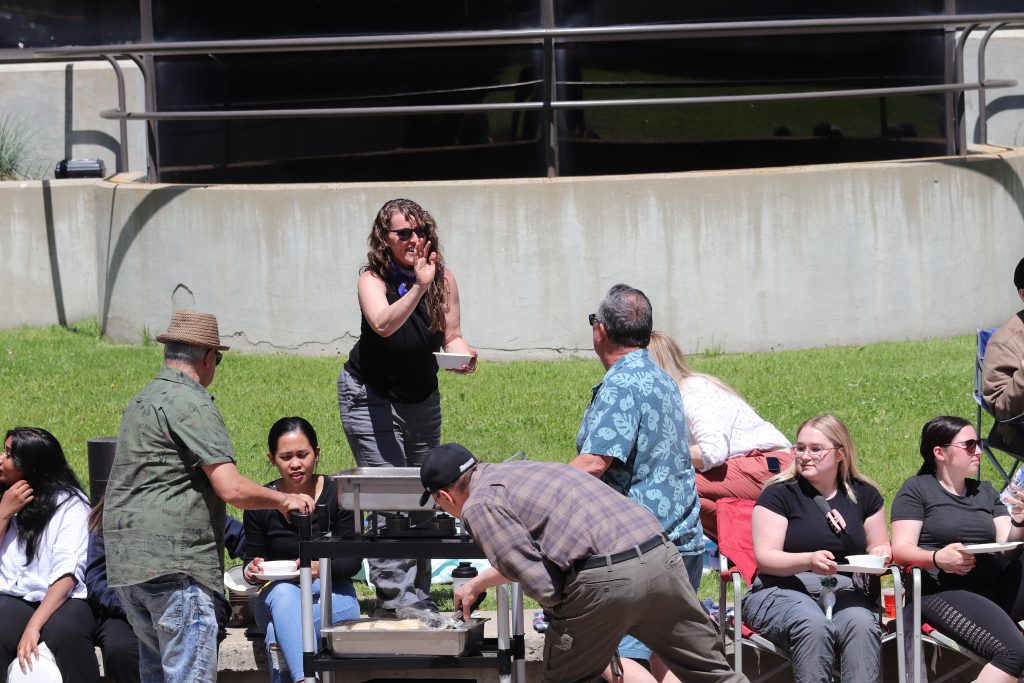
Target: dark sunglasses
405	234
970	445
592	318
217	357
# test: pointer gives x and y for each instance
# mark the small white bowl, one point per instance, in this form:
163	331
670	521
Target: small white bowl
873	561
452	361
277	566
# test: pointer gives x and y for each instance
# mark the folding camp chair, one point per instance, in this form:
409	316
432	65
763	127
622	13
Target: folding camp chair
736	558
994	440
925	634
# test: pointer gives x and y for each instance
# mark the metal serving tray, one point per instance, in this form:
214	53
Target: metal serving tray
344	642
380	489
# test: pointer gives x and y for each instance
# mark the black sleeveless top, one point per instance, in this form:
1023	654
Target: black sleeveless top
402	367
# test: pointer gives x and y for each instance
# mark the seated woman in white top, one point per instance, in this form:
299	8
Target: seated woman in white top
732	448
43	522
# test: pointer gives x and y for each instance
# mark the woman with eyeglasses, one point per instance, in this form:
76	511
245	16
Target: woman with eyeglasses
293	449
976	599
798	549
44	519
733	449
387	392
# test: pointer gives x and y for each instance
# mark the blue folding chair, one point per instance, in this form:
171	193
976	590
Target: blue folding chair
994	440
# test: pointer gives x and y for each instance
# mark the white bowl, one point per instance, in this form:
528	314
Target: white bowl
452	361
866	561
278	566
44	669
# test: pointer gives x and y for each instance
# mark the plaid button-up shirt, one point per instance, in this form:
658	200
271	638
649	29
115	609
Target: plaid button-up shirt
535	519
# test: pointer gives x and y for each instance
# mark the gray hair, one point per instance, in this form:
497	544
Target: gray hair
627	316
184	353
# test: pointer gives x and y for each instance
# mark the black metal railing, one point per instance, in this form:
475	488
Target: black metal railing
143	53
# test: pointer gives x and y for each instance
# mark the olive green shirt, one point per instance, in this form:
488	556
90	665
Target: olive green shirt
162	515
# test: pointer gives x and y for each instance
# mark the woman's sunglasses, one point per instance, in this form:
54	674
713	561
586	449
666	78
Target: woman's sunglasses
405	234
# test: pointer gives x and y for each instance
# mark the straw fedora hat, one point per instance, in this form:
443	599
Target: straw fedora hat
193	328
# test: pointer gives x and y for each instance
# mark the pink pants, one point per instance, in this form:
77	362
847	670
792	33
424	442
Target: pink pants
741	476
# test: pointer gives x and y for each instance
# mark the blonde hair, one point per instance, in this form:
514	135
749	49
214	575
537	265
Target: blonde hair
666	353
839	436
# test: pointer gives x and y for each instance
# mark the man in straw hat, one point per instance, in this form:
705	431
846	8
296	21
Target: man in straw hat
173	470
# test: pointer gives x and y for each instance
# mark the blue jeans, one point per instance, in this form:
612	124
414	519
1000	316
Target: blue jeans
279	614
632	648
176	622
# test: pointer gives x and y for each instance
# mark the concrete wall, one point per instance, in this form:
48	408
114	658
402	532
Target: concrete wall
737	261
47	252
58	106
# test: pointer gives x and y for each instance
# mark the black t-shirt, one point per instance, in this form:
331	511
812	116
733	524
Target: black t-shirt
402	367
270	536
948	518
808	530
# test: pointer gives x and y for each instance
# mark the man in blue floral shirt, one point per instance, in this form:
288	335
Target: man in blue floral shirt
633	435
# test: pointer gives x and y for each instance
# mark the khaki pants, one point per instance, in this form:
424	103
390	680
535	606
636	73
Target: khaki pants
648	597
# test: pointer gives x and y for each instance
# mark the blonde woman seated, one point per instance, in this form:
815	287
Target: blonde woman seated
798	547
732	448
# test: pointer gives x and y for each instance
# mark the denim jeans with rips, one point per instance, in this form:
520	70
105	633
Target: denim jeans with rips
176	622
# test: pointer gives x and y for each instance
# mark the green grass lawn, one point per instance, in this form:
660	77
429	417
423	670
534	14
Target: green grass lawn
75	384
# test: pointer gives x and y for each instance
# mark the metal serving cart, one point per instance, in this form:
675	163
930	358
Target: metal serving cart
372	490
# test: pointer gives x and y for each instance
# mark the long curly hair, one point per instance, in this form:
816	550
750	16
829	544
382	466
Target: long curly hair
38	454
378	258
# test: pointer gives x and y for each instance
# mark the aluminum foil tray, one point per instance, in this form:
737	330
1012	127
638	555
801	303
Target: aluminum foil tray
380	489
344	642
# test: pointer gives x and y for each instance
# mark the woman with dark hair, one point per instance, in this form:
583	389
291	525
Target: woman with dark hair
387	392
43	514
975	599
293	449
798	548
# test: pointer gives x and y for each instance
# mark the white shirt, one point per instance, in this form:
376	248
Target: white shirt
60	551
723	424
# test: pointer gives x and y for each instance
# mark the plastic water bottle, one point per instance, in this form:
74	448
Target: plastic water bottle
828	595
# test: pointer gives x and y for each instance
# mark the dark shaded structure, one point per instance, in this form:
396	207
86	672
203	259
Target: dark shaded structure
591	140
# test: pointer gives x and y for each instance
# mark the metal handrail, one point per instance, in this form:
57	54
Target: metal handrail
528	36
547	37
398	110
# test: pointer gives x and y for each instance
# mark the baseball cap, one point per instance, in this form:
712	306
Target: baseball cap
441	466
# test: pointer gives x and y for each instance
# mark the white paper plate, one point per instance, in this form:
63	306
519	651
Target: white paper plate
977	548
875	571
234	581
277	576
452	361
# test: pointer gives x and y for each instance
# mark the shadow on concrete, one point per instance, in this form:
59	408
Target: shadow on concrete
997	106
997	169
74	137
51	249
133	226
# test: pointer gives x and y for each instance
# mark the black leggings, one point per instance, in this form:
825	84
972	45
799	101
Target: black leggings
980	624
68	634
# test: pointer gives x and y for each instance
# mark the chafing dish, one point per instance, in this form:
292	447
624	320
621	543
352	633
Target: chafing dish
465	637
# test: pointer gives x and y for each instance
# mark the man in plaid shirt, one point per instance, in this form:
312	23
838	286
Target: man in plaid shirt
598	563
